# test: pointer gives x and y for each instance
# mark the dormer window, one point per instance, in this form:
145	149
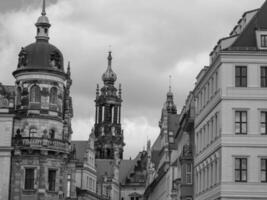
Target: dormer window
264	40
261	36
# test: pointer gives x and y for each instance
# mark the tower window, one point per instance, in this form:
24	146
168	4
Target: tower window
29	179
46	30
53	95
241	76
52	179
35	95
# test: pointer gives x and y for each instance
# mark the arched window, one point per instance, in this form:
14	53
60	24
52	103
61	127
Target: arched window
53	95
35	95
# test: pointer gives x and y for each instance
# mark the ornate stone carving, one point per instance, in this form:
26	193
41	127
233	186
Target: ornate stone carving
22	58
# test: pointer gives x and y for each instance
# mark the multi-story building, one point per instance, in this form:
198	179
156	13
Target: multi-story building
36	153
230	124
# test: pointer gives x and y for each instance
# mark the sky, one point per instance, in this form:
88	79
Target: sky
150	40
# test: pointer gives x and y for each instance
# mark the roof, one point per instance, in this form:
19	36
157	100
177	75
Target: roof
125	167
80	147
247	37
104	167
155	158
173	122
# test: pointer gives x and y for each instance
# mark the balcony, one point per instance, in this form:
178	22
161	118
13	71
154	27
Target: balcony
36	143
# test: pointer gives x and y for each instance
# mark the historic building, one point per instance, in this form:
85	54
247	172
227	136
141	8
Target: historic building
231	115
159	167
36	123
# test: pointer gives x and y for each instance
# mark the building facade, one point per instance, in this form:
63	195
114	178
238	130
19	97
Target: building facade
36	120
230	123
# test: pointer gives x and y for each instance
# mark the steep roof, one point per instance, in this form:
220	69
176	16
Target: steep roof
247	37
104	167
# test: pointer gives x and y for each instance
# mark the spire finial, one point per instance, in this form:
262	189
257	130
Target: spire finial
109	58
43	10
170	83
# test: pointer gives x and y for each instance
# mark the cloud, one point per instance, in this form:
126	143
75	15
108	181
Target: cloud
150	40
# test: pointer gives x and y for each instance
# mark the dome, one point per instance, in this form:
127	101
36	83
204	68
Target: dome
43	20
109	76
41	55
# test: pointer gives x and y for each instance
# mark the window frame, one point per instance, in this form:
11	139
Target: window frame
188	174
29	182
52	183
240	79
263	39
263	78
240	170
263	170
53	95
263	122
35	94
241	122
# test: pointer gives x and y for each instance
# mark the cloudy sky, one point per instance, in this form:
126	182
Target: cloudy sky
150	39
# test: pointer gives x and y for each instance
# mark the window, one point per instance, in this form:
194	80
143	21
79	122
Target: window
188	174
263	122
241	122
29	179
241	170
68	185
35	95
241	76
264	170
53	95
264	76
132	198
52	179
263	40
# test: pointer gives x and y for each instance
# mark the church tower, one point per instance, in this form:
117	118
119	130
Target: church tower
41	160
108	131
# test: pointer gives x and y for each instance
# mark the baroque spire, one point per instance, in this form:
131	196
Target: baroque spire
43	25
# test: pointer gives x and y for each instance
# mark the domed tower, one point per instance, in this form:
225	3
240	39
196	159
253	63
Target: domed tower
108	132
42	125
